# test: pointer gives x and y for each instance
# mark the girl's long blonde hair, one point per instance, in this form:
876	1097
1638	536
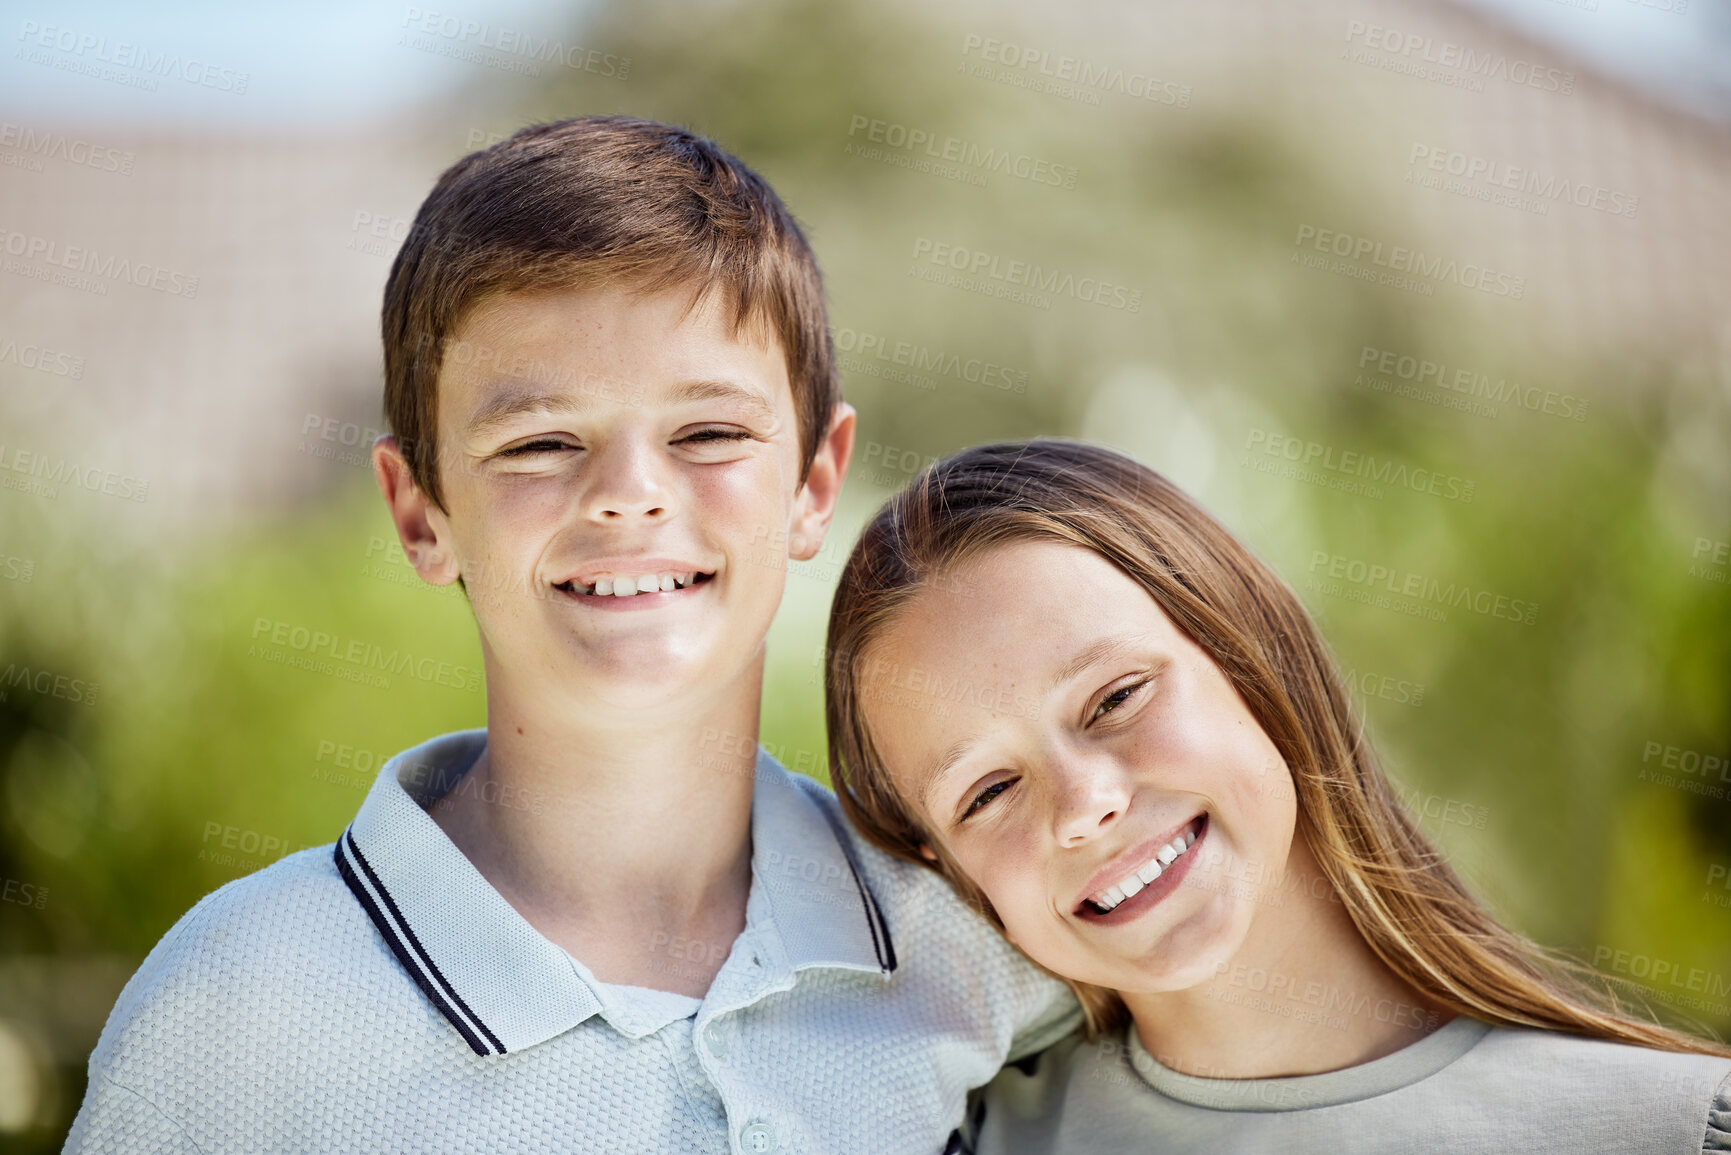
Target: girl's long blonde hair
1405	900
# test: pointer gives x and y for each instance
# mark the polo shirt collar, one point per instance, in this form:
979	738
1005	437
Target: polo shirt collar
503	985
823	911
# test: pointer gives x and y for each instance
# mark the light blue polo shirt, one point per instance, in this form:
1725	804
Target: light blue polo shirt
380	995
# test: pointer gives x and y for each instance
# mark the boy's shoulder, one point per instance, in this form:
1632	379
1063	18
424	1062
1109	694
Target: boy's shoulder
936	940
895	882
253	955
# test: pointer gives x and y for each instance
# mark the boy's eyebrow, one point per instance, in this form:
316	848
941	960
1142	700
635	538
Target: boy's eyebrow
719	390
515	402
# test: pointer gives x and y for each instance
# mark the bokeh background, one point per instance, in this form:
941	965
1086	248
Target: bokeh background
1430	302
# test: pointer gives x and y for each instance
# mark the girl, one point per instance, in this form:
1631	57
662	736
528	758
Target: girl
1059	682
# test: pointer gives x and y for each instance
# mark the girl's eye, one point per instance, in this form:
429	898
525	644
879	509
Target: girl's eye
1117	698
985	796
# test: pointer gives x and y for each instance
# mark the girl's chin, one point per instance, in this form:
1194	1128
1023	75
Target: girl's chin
1188	956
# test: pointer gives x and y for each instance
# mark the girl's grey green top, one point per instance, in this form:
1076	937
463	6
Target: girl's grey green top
1466	1087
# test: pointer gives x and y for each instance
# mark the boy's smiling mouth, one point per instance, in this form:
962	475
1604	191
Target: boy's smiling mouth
632	578
1166	861
626	587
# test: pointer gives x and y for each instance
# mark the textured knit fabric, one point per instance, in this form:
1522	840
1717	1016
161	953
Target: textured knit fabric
1465	1088
379	995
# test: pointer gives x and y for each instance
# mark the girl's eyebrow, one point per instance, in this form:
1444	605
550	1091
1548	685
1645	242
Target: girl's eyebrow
1098	651
947	763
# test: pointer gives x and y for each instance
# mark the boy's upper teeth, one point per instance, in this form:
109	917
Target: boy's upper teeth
625	585
1133	882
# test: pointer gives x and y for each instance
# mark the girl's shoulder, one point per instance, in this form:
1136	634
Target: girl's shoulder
1596	1071
1555	1056
1467	1081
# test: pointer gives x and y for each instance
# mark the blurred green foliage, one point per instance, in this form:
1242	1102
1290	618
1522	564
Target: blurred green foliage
1538	730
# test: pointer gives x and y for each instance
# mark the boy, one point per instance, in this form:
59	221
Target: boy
607	922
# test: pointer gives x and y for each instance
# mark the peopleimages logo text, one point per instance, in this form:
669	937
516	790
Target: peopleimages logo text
81	259
124	54
1392	581
1400	259
1479	63
955	149
1500	390
1025	274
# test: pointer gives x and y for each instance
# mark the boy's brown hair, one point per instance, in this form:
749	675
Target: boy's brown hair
599	200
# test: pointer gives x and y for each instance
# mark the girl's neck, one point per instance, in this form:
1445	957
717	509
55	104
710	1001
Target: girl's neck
1303	994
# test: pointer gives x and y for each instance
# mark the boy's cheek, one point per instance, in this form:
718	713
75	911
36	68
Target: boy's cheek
758	478
511	518
750	516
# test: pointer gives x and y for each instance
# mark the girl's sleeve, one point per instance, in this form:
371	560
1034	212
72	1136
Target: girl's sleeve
1718	1137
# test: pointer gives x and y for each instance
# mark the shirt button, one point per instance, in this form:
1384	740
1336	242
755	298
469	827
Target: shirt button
717	1042
758	1137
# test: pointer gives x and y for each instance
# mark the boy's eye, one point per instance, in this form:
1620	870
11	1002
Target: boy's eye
710	436
984	797
539	445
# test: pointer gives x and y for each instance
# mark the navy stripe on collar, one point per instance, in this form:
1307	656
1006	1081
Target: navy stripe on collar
408	949
882	946
886	950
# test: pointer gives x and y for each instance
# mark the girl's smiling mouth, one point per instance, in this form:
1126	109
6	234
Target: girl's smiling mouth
1147	882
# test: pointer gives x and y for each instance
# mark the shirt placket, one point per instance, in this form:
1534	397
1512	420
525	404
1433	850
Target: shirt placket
758	969
708	1112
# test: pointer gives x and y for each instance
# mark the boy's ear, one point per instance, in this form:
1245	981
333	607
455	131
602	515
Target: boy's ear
814	505
421	525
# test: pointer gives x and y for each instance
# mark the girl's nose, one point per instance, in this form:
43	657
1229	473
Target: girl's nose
1089	796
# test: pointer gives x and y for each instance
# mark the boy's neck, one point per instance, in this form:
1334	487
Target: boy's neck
1304	994
626	841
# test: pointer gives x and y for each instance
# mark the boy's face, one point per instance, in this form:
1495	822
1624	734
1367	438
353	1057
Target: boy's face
592	441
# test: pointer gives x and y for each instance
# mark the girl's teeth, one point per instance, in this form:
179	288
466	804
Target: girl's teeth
667	582
1145	874
624	587
604	588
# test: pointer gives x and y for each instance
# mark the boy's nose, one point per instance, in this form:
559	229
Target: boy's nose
626	482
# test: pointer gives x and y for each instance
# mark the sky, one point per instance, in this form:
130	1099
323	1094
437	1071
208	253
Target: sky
308	63
1678	49
305	63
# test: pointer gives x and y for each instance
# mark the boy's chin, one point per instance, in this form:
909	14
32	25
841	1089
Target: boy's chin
634	674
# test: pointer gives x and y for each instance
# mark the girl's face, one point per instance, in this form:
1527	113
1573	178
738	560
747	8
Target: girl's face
1084	763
